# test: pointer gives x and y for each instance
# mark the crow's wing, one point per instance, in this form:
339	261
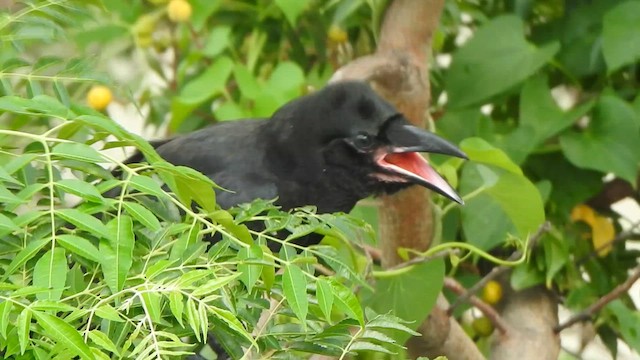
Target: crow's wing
231	154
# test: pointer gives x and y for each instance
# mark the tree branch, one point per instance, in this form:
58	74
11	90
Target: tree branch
617	292
499	270
485	308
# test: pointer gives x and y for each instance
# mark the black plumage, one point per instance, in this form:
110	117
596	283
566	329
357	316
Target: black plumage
329	149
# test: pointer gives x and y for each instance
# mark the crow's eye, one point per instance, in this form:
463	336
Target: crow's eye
364	141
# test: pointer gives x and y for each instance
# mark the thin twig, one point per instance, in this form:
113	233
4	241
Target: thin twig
587	313
485	308
499	270
421	259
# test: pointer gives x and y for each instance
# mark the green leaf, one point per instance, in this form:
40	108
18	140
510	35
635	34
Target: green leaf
176	304
117	254
81	188
25	255
64	334
286	80
23	323
6	224
250	273
481	151
214	284
147	185
209	83
247	83
50	272
5	311
410	294
621	35
629	323
144	216
369	346
77	151
85	222
346	301
8	197
510	205
240	231
292	9
5	176
52	305
193	317
152	305
325	297
79	246
107	312
540	118
496	59
610	142
219	39
294	285
102	340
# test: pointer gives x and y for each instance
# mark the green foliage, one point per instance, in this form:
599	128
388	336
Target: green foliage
524	59
129	275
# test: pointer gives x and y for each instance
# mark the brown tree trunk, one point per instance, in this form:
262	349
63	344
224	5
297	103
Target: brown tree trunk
399	72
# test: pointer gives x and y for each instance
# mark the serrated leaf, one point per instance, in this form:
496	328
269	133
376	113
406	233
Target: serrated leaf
369	346
25	255
51	305
50	272
64	334
77	151
249	273
347	302
85	222
176	304
5	311
23	323
8	197
324	294
193	317
6	224
214	284
152	305
117	254
147	185
294	285
79	246
102	340
109	313
80	188
143	215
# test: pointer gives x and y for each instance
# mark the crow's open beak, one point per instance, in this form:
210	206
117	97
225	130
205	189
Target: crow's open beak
402	156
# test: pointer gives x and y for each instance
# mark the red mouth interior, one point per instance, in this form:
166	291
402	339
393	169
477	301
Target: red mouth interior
409	161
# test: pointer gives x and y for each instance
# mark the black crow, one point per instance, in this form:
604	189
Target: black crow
330	149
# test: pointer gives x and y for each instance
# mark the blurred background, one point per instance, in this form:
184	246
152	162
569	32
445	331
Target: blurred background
547	87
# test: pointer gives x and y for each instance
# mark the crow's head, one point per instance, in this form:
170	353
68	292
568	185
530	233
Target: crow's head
349	132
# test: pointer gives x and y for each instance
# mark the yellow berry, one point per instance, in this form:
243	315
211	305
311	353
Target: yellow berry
337	34
179	10
492	292
482	326
99	97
